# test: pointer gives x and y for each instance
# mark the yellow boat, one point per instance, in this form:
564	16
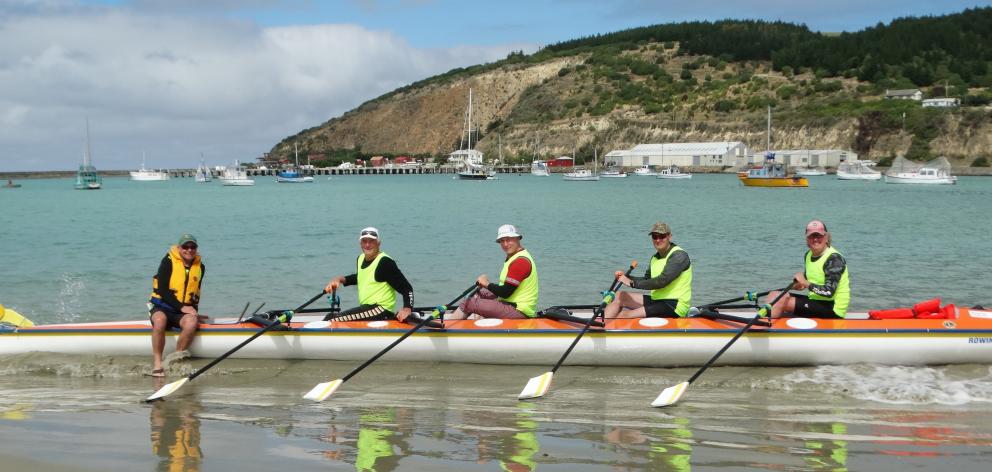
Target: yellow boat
771	174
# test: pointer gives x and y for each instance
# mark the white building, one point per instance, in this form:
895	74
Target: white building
714	154
806	157
942	102
904	94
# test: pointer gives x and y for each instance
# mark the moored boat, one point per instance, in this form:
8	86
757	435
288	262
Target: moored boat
673	172
148	175
613	174
858	170
539	168
294	176
655	342
771	174
645	171
580	175
86	176
810	171
935	172
236	177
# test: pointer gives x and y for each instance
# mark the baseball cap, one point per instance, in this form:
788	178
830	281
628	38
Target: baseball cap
660	228
369	233
507	231
187	238
816	227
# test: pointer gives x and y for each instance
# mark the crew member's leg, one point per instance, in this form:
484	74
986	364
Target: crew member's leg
159	325
625	305
188	325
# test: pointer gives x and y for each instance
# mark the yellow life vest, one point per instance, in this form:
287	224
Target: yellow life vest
815	275
525	296
679	289
371	292
185	283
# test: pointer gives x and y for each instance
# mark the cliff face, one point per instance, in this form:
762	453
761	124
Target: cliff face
572	104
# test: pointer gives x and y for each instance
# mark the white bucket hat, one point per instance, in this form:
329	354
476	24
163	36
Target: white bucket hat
507	231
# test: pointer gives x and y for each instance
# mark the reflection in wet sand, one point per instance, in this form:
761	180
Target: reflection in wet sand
175	435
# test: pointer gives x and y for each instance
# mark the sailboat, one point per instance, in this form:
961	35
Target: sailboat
770	173
470	159
86	176
148	175
582	174
202	172
538	167
293	176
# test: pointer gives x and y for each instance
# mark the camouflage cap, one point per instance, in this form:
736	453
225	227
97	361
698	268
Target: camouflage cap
660	228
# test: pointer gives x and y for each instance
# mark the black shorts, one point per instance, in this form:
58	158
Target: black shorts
172	318
813	308
664	308
362	313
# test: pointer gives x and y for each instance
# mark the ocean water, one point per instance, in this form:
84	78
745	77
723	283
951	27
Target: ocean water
88	256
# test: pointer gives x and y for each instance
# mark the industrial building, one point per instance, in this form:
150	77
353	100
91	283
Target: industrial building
714	154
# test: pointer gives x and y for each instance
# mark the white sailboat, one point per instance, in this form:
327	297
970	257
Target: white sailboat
470	160
148	175
86	176
202	172
582	174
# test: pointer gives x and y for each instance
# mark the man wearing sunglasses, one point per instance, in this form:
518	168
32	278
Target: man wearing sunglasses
378	279
669	278
174	300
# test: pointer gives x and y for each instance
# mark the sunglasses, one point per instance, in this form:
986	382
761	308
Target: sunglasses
190	247
657	236
815	236
370	233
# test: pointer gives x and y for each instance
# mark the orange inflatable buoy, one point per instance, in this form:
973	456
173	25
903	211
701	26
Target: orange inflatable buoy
891	314
929	306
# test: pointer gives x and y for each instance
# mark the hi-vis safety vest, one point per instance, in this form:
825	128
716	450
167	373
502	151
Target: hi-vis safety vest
525	296
679	289
371	292
184	282
815	275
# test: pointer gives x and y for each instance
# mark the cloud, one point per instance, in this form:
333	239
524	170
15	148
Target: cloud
176	86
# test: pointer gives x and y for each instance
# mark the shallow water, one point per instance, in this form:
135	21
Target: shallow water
88	256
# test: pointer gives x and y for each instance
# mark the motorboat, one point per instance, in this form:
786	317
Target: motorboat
771	174
673	172
613	173
148	175
810	171
857	170
236	176
539	168
580	175
645	171
935	172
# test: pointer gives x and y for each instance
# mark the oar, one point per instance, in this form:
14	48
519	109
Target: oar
324	390
537	386
672	394
748	296
168	389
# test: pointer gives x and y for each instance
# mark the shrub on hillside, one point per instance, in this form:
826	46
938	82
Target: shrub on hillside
981	161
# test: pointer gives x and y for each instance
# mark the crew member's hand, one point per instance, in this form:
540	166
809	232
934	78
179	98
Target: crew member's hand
800	281
403	313
482	281
334	284
624	279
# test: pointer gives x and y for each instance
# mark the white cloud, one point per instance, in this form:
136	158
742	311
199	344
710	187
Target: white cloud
176	86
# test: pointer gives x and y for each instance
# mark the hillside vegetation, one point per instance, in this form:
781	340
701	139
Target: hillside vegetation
697	81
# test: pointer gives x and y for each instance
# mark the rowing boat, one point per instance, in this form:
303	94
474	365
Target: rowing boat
655	342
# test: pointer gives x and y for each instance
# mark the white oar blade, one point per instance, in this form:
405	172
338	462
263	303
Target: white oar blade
537	386
670	395
323	390
168	389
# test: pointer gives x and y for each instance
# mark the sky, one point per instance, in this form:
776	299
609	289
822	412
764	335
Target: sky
175	80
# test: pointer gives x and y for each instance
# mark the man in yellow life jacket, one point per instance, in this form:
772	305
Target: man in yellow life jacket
378	279
515	296
669	278
174	300
825	276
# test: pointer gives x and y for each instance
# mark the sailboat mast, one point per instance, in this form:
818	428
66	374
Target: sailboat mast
296	152
768	131
470	118
86	155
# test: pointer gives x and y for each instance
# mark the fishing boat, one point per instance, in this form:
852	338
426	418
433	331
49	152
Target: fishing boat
580	175
203	173
236	176
86	176
673	172
148	175
810	171
645	171
539	168
857	170
294	176
935	172
964	337
468	160
613	173
771	174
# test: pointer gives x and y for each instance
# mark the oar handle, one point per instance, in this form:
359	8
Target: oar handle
611	293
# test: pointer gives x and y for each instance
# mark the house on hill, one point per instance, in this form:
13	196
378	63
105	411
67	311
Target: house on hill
904	94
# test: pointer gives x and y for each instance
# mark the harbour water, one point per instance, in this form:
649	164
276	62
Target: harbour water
88	256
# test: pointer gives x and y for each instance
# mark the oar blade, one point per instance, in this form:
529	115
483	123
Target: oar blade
670	395
537	386
323	390
168	389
